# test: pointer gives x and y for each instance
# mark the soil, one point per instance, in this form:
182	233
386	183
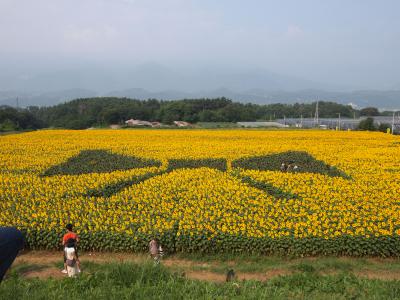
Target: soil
381	275
50	272
44	266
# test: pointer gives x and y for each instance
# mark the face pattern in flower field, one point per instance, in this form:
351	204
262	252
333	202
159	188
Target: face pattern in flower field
206	208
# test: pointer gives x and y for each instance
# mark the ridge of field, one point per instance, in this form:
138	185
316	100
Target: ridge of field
36	275
47	264
207	210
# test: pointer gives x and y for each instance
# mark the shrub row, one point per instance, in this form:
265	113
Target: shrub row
213	163
384	246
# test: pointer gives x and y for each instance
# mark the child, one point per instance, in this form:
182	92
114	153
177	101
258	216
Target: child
70	235
155	250
71	256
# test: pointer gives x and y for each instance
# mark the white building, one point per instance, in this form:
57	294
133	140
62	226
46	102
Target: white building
261	124
133	122
182	124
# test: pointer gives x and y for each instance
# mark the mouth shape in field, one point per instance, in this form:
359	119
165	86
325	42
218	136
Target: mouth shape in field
103	161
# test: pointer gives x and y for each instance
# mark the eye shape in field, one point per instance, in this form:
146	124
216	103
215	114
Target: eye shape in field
99	161
299	161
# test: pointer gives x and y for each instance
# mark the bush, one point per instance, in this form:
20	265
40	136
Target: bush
384	127
8	125
367	124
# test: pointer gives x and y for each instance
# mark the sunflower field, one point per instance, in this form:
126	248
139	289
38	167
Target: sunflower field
205	190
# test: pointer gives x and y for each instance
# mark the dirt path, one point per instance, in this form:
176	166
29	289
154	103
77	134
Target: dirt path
50	257
47	264
217	277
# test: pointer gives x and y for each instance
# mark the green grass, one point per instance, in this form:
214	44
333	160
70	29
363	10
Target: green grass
220	263
24	268
217	125
4	133
146	281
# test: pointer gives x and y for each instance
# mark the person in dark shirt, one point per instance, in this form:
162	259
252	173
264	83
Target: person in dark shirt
11	241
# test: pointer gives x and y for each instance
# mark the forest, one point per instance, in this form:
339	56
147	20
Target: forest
103	111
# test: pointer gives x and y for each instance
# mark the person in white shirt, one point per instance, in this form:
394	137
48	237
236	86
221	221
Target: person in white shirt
71	258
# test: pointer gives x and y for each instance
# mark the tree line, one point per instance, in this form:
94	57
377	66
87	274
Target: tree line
12	119
103	111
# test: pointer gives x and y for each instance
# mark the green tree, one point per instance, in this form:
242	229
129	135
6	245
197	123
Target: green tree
369	112
384	126
367	124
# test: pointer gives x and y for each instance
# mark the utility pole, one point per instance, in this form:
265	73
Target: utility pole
301	122
339	121
17	102
394	113
316	116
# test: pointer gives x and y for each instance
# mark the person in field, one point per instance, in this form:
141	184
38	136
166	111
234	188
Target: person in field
292	167
11	241
71	258
156	250
70	235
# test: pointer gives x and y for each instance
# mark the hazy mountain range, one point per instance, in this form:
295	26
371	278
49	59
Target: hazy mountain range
381	99
157	81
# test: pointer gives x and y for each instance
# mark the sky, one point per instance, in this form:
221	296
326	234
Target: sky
352	43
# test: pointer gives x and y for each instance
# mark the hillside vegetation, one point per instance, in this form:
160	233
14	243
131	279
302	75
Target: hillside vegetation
89	112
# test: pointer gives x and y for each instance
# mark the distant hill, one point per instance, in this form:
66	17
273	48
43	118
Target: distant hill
363	98
154	77
26	99
142	94
156	81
